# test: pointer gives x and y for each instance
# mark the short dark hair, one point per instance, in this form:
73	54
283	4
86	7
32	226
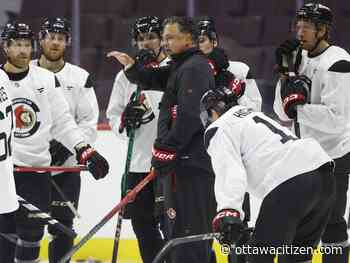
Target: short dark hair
185	25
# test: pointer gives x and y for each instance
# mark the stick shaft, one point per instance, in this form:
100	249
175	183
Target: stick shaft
24	169
128	198
65	199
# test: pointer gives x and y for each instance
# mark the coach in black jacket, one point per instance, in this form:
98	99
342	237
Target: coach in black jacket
179	154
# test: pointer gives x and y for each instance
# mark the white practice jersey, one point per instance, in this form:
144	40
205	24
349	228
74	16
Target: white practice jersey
252	153
327	117
251	97
41	113
77	87
8	195
147	133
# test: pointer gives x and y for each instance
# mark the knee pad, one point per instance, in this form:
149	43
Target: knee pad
59	243
28	244
55	232
31	234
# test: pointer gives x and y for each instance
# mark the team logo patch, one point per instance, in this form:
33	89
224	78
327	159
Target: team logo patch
25	112
171	213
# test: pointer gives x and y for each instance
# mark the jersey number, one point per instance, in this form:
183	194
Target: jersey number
285	137
7	139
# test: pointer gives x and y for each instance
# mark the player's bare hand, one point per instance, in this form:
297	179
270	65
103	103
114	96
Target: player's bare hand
123	58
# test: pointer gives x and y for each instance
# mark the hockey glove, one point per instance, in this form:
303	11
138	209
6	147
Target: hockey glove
226	79
295	91
163	158
59	153
135	114
96	163
147	58
229	224
218	60
283	52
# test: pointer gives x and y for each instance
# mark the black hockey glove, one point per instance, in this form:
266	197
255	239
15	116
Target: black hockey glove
295	91
218	60
147	58
163	158
59	153
226	79
229	224
96	163
283	52
135	114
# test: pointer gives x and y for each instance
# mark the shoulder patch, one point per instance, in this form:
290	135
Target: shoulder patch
90	82
209	134
341	66
57	83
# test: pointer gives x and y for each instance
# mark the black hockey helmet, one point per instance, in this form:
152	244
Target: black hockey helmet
316	13
206	26
17	30
220	100
55	25
146	24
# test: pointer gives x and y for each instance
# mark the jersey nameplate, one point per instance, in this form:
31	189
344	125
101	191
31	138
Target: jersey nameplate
243	112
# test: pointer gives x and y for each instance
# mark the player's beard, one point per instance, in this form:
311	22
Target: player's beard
53	56
20	62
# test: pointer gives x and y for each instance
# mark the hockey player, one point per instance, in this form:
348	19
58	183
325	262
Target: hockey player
325	115
178	152
208	42
7	182
294	177
125	113
41	113
77	87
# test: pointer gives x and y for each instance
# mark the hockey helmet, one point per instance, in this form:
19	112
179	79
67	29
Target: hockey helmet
17	30
146	24
317	13
206	26
220	100
55	25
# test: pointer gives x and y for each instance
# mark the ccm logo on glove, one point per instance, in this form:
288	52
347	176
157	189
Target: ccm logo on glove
163	156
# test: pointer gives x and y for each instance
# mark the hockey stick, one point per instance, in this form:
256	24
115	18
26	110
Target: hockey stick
183	240
293	71
72	169
10	237
118	228
128	198
23	169
51	221
189	239
65	199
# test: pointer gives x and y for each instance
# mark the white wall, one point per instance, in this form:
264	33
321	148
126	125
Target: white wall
99	197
